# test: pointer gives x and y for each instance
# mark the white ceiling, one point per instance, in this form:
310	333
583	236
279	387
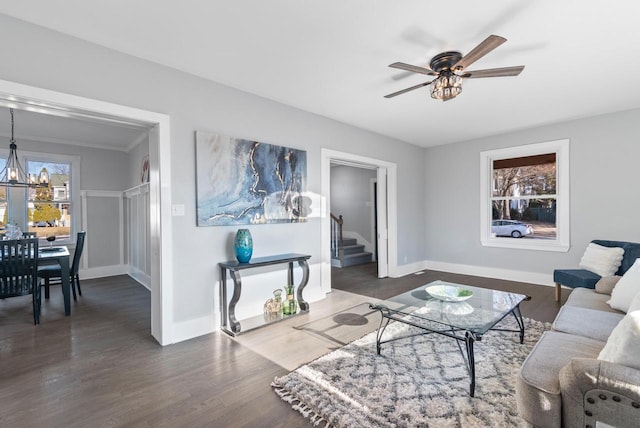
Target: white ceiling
331	57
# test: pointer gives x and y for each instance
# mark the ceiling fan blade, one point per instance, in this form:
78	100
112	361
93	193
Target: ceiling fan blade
489	44
407	90
413	68
494	72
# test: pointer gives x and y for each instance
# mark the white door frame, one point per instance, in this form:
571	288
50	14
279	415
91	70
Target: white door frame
388	230
159	183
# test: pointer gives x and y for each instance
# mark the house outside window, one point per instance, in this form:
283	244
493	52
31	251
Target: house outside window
525	197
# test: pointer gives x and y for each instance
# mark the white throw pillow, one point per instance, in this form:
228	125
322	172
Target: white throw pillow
600	260
626	289
623	346
635	304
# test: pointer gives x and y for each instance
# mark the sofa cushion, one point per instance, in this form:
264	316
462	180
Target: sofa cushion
605	284
623	346
591	323
626	289
584	298
538	382
604	261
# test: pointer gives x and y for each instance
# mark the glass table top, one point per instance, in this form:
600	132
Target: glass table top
477	313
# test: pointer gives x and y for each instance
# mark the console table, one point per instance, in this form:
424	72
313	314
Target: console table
229	324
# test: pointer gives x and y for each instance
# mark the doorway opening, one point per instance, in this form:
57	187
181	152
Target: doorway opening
376	205
59	104
353	203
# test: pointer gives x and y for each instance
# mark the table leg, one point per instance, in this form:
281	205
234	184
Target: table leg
234	325
469	340
223	298
290	274
304	306
66	284
384	322
516	313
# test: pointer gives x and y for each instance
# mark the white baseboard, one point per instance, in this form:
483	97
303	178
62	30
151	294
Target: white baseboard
487	272
403	270
189	329
102	271
140	277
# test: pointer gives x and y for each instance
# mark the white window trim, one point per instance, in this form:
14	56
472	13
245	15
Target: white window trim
75	183
562	241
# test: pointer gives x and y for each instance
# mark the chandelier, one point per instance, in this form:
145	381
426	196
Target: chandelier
447	86
13	174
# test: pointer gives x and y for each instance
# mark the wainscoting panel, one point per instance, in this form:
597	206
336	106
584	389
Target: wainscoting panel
137	238
118	239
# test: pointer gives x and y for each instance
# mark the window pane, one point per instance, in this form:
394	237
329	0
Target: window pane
49	207
512	218
525	176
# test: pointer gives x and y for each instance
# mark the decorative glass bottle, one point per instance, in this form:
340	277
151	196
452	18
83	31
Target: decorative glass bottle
243	245
277	301
289	306
273	306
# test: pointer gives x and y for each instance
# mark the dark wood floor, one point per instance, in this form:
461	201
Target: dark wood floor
100	367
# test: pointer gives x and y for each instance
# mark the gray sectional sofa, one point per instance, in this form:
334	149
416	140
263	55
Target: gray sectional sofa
563	384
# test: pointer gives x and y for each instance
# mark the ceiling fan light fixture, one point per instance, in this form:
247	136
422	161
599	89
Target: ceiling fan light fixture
449	67
448	85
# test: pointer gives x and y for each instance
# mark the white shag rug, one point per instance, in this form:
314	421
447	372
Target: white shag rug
420	381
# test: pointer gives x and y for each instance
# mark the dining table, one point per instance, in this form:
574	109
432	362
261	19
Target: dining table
60	255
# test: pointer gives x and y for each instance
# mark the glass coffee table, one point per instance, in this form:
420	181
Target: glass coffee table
461	312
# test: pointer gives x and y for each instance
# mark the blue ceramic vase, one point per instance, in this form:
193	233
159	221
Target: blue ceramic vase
243	245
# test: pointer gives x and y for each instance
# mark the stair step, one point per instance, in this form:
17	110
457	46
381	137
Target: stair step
356	259
349	241
353	249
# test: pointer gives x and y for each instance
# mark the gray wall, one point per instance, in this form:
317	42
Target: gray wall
604	153
99	169
351	198
81	68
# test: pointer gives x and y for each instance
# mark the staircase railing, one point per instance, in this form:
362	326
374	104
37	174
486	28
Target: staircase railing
337	250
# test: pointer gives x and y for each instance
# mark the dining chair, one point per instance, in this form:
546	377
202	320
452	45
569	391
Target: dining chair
52	273
19	271
29	234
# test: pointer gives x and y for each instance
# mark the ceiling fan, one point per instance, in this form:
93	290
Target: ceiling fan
449	69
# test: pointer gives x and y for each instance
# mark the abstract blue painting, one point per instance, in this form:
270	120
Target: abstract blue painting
249	182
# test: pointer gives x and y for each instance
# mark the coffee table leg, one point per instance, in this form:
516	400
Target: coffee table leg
384	322
518	315
469	340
